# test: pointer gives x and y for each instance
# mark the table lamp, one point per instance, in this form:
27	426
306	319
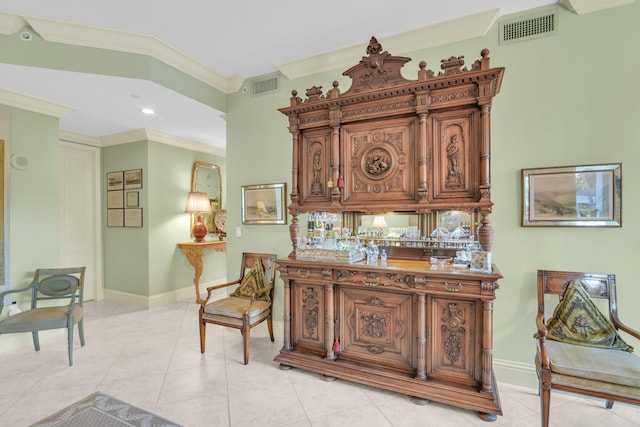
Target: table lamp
198	203
379	223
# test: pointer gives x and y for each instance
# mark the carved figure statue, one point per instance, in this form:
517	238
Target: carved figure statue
316	166
453	154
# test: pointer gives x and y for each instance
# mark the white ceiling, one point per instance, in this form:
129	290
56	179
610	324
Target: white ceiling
225	41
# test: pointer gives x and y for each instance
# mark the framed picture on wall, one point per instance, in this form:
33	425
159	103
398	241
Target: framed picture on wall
115	217
115	199
264	204
133	179
133	199
115	180
133	217
572	196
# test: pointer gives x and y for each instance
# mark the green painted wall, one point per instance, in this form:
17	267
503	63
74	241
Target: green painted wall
170	175
565	100
126	249
146	261
33	195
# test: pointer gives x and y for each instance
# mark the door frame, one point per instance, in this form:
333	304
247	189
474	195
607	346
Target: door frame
97	224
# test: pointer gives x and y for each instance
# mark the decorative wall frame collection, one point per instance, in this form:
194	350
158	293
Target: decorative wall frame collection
572	196
120	214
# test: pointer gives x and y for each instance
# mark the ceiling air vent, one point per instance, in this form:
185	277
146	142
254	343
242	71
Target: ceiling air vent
260	87
529	27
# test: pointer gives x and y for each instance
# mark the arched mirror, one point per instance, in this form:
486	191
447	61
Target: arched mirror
206	178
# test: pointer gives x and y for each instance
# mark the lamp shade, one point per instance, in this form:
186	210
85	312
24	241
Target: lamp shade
379	222
197	202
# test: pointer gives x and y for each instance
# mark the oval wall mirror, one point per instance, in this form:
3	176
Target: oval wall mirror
206	178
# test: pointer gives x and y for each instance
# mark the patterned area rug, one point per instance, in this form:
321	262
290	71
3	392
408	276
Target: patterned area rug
102	410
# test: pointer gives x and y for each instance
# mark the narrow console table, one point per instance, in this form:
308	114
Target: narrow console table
193	252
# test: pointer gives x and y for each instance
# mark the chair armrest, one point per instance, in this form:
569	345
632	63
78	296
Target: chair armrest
224	285
73	297
213	288
542	337
621	326
253	297
12	291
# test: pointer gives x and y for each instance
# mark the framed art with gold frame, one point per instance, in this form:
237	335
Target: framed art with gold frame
264	204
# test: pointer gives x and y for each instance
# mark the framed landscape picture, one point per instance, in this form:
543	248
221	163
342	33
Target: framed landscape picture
133	179
572	196
264	204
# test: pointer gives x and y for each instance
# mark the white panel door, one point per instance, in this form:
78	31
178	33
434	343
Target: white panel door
80	212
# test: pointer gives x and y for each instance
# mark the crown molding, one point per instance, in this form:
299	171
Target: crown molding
29	103
185	143
122	41
10	24
36	105
103	38
581	7
78	138
464	28
142	134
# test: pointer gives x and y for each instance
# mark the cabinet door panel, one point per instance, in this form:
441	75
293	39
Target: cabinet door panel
454	340
307	317
456	154
376	327
379	161
315	167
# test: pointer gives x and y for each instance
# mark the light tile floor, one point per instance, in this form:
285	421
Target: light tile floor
151	359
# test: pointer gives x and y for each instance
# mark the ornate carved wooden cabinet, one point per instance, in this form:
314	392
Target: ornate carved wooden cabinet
393	144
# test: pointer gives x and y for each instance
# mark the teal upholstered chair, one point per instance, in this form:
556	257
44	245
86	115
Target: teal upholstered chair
249	305
53	285
605	367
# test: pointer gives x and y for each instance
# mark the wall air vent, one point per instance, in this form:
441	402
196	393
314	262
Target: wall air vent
269	85
529	27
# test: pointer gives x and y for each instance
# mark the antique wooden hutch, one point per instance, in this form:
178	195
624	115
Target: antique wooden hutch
389	144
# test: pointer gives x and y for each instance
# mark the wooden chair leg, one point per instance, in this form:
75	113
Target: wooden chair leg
545	400
203	335
270	327
36	340
246	333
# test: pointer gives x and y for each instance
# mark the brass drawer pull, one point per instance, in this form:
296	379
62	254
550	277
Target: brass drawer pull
371	282
304	274
452	289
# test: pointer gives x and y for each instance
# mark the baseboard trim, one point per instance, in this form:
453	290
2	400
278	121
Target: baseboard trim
159	300
516	373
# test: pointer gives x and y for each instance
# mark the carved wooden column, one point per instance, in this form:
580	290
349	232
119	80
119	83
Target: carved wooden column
329	320
487	345
421	368
286	317
486	231
295	135
422	109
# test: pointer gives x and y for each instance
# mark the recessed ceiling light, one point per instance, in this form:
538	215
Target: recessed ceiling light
148	111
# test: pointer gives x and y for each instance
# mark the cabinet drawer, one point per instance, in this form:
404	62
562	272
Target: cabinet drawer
373	279
454	286
306	273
